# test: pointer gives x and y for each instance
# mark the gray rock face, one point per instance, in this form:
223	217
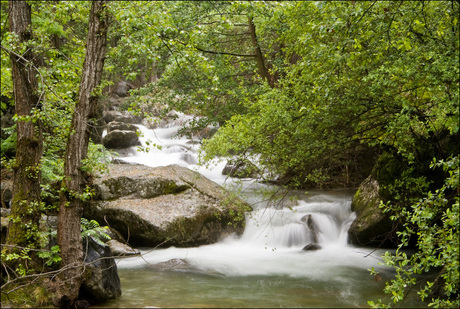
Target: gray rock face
119	249
102	282
166	206
371	227
120	139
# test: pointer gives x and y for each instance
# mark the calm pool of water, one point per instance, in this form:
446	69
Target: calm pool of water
344	287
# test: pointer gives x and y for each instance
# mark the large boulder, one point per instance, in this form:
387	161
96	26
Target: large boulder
101	282
371	227
165	206
122	126
120	139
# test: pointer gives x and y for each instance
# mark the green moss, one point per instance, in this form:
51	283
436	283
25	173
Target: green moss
385	171
27	295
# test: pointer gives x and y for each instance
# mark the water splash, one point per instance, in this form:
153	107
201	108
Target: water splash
274	236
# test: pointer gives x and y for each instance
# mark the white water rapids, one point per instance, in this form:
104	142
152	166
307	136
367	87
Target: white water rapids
265	266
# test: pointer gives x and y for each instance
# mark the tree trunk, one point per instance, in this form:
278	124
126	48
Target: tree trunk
263	71
74	184
25	206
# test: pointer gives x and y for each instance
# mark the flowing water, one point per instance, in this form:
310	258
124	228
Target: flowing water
265	266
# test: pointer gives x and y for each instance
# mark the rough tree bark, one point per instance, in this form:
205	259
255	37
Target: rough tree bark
263	71
25	206
74	184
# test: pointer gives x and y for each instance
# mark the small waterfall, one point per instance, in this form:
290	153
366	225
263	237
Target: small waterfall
265	262
274	237
287	227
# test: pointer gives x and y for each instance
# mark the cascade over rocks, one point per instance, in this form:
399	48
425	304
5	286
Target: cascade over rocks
371	227
167	206
123	116
313	232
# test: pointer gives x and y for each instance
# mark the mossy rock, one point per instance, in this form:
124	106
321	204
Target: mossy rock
166	206
371	227
241	169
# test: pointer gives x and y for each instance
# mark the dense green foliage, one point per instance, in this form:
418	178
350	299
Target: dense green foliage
350	88
435	218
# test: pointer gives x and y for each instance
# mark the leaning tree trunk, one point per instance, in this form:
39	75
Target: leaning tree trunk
74	184
25	206
263	71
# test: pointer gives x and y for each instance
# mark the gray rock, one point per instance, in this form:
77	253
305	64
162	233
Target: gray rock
101	281
166	206
7	195
174	264
241	169
122	89
122	126
371	227
311	226
123	116
120	139
119	249
313	232
312	247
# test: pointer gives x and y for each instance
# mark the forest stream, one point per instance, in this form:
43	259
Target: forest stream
265	266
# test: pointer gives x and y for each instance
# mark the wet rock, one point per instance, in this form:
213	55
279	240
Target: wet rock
240	169
161	120
122	126
121	139
189	158
174	264
119	249
313	232
101	281
311	247
123	116
165	206
311	226
371	226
